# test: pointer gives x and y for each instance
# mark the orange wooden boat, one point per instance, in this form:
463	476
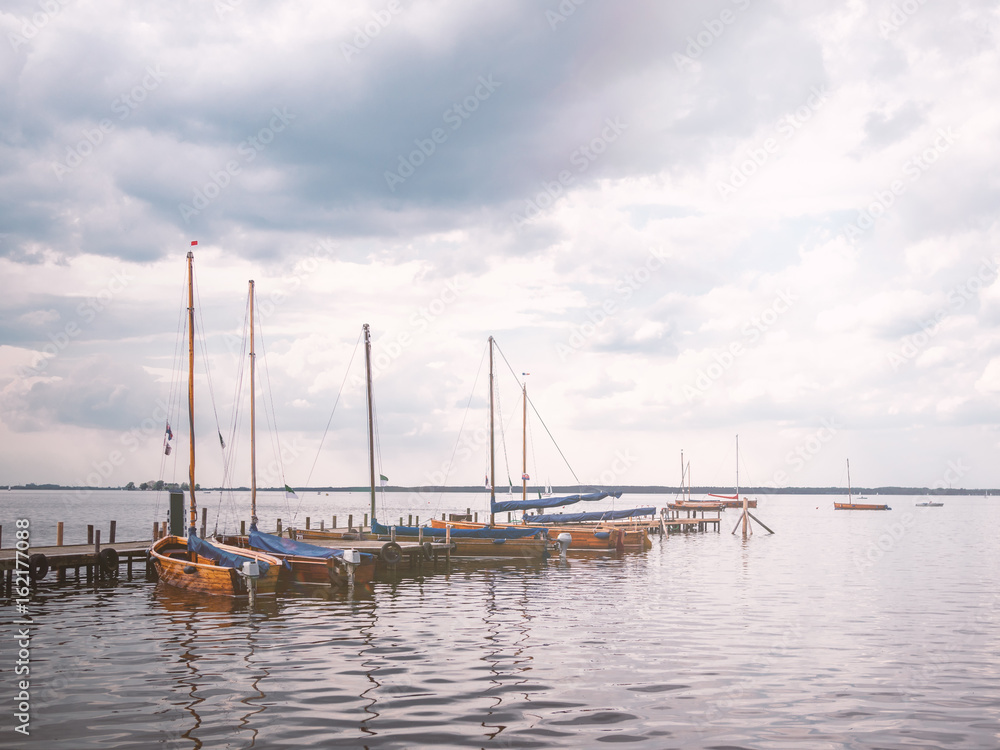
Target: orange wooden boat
850	504
175	567
306	570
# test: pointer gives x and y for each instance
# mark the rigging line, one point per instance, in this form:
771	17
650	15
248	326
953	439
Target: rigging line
173	390
378	450
503	437
271	417
237	412
547	431
461	427
208	370
347	372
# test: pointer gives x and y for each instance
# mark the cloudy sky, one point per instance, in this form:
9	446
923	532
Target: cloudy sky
686	221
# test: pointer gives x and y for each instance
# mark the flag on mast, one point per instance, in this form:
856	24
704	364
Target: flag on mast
289	492
383	480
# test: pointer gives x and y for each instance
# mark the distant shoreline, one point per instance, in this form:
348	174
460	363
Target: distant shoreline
625	489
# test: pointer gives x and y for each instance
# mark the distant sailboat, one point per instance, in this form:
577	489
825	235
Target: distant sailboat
850	504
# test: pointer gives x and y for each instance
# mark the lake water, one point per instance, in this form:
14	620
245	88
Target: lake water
842	630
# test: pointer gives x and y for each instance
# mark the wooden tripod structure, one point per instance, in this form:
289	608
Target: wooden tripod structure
746	515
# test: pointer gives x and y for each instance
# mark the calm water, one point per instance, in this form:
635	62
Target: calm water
843	630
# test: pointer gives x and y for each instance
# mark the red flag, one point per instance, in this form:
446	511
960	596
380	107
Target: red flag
194	242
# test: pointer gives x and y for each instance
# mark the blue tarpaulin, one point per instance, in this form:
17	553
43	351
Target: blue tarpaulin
550	502
281	546
222	557
484	533
607	515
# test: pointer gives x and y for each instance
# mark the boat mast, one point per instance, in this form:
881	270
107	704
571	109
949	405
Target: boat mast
737	467
194	509
371	419
682	473
850	500
524	442
253	423
493	484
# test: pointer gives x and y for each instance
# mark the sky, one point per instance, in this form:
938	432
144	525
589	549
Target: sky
686	221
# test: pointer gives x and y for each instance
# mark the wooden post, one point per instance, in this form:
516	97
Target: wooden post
350	521
97	542
279	527
508	518
155	528
366	519
418	520
334	523
163	529
443	517
746	520
111	532
97	550
475	517
90	533
400	520
59	534
307	522
243	528
420	535
409	520
468	511
204	521
321	522
392	532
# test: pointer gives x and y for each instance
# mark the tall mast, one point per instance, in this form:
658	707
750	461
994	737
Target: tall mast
524	442
253	423
682	473
493	484
737	467
371	419
194	509
849	498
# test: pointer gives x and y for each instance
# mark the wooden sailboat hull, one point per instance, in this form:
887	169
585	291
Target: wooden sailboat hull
583	536
526	549
311	571
859	506
701	505
173	565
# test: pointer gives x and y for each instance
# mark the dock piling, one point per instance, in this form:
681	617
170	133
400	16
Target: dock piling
59	534
111	532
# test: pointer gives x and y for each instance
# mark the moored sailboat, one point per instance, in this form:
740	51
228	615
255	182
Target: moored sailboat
192	563
850	504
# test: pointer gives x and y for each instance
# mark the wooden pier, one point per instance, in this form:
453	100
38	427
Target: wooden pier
98	561
672	522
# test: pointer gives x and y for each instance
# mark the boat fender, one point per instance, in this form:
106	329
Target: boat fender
38	566
108	558
428	551
391	553
499	541
189	569
602	534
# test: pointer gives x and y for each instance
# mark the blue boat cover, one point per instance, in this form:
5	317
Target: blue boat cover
484	533
222	557
281	546
607	515
549	502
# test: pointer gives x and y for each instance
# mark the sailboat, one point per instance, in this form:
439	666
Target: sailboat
850	504
587	530
302	563
481	540
195	564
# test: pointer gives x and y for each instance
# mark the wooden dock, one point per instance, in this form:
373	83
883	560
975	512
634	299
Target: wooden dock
672	522
97	560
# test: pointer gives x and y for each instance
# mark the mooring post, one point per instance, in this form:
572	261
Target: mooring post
307	522
365	524
59	534
155	535
90	533
163	529
321	522
111	532
409	520
350	521
243	528
745	519
279	527
475	516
